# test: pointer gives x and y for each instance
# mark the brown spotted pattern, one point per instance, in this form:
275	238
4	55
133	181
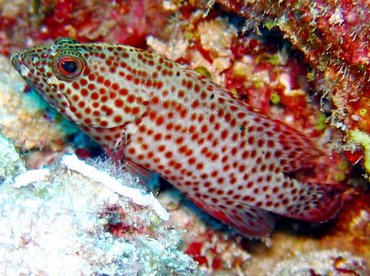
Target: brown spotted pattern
226	157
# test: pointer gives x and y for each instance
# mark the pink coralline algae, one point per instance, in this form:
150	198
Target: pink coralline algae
127	22
334	37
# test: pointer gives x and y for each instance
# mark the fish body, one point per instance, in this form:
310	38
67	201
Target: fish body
229	159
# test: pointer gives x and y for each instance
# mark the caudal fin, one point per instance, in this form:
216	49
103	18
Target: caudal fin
317	203
286	196
306	201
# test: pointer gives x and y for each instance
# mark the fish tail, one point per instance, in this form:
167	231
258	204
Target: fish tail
312	202
320	202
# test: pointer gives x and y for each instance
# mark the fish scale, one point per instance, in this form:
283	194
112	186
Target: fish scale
229	159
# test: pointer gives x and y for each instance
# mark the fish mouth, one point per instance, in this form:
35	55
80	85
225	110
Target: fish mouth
15	60
18	64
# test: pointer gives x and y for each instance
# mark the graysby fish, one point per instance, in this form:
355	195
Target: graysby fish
229	159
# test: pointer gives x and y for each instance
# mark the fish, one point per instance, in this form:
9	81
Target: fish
232	161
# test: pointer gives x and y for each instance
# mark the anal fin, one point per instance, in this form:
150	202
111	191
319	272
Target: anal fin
249	221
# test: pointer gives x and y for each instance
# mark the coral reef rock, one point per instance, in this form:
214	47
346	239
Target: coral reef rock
322	263
74	219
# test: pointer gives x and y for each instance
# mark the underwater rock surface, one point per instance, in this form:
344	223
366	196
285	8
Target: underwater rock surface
322	263
61	221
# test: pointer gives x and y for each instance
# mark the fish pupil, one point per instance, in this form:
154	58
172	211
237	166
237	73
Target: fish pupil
69	66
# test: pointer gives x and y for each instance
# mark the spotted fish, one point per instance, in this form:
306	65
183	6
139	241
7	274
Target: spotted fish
229	159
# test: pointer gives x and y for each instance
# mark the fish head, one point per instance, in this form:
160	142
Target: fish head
81	81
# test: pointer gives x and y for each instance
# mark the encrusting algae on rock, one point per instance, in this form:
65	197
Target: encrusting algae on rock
74	218
230	160
334	38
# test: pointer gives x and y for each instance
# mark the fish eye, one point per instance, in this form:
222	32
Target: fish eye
68	67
